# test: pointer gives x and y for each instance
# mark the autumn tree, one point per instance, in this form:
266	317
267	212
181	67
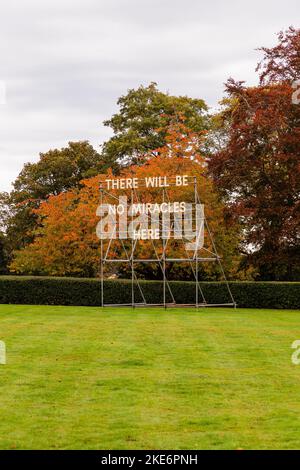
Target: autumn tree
140	125
281	63
180	155
257	167
66	243
56	171
3	255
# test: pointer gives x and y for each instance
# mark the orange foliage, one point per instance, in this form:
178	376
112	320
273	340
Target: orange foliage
66	242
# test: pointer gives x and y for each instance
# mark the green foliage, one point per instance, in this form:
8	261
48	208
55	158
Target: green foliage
74	291
57	171
141	124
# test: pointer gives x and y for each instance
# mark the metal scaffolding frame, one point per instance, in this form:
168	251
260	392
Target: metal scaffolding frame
162	259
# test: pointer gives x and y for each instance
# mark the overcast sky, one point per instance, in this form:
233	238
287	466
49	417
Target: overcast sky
65	62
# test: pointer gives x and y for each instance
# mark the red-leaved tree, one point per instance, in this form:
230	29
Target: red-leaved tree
257	168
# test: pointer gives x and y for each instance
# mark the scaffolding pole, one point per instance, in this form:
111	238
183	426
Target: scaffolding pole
163	259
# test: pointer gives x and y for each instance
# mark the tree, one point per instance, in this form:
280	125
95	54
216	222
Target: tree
139	126
282	62
256	167
142	122
66	243
258	174
56	171
181	155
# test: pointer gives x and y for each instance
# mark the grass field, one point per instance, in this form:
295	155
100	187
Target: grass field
82	378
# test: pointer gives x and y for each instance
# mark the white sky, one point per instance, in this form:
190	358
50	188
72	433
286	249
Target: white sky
65	62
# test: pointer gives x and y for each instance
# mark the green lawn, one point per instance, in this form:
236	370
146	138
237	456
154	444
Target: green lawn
82	378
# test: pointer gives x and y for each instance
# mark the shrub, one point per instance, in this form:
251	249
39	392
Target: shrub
75	291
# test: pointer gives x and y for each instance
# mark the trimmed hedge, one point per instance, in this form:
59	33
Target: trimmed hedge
86	292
